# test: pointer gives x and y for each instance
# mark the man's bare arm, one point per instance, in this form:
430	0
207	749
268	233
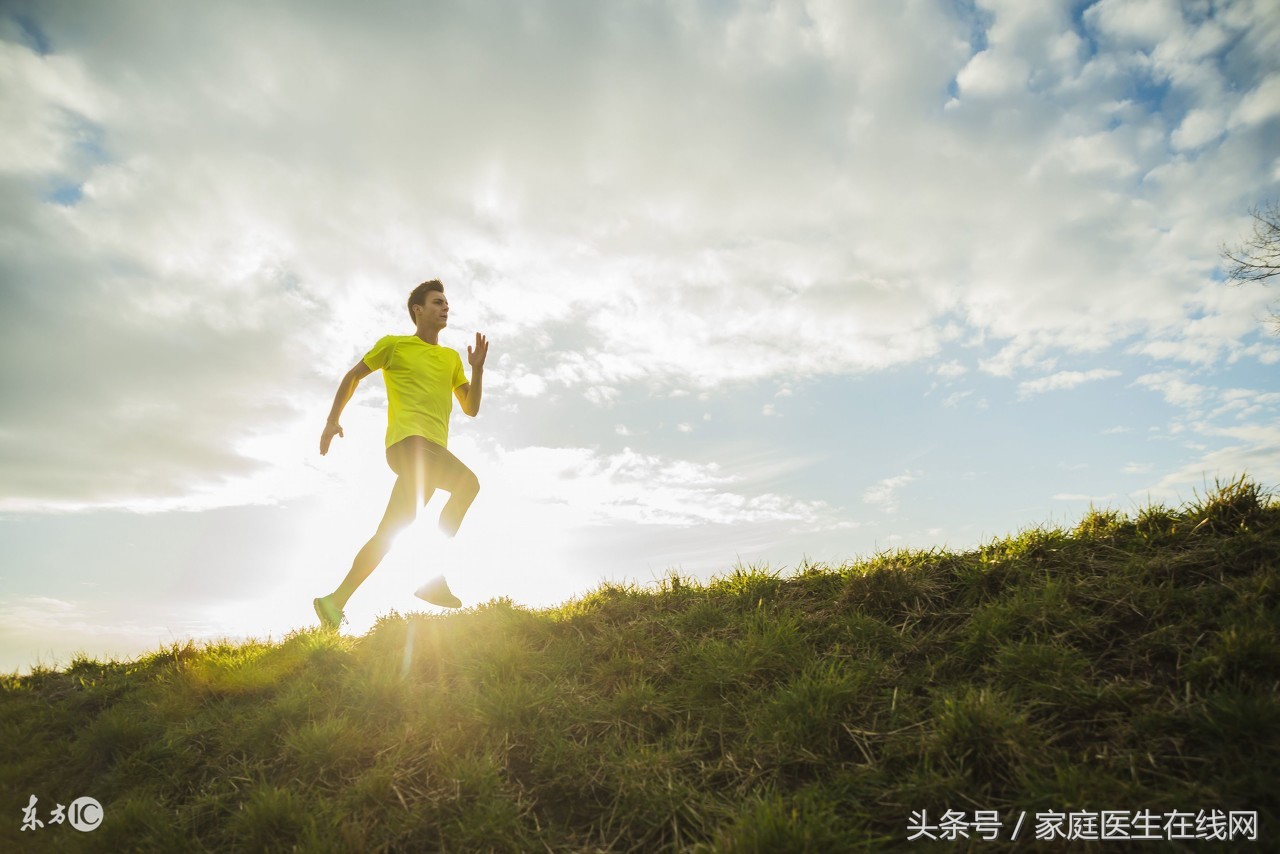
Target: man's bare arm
346	388
469	394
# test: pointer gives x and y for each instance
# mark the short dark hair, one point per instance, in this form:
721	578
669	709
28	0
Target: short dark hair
418	296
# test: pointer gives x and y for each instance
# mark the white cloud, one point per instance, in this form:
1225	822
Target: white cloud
1174	387
66	628
1259	105
527	385
1245	403
601	395
884	493
1140	23
1267	354
1063	380
1199	126
1255	454
989	73
1101	153
626	196
1203	404
586	487
1226	317
47	106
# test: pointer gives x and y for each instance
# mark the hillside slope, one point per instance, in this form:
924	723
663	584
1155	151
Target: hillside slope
1128	664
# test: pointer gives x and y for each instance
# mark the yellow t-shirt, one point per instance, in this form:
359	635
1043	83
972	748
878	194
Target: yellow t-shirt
420	379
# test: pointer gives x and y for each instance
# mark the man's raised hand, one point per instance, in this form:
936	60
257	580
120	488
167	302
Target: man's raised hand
331	429
476	356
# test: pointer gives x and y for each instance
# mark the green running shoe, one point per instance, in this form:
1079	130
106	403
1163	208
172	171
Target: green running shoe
330	616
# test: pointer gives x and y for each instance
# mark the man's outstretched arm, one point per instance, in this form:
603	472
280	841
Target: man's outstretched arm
469	394
346	388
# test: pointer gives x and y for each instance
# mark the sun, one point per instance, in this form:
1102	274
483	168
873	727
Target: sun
513	543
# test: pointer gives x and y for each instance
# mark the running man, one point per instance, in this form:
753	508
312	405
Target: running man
419	375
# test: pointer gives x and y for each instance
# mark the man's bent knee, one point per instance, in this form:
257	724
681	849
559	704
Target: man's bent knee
464	486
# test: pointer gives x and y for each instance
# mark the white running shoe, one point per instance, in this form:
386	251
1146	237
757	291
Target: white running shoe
437	592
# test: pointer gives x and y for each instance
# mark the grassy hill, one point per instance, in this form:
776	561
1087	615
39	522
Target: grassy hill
1130	663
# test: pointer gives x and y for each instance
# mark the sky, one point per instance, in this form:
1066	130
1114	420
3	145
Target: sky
765	283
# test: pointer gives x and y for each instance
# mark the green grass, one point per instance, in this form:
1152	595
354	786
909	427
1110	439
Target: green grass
1127	663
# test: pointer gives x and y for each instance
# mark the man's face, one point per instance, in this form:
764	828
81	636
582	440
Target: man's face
435	310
